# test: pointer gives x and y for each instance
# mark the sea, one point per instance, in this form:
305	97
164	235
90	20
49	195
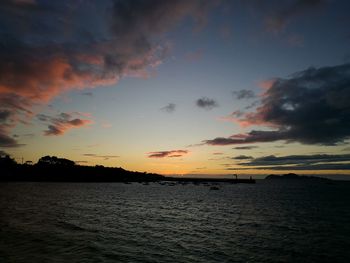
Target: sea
270	221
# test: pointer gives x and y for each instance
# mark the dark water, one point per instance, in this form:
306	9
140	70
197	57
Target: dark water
266	222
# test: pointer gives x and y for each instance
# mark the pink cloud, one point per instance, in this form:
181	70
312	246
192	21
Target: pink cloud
266	84
246	119
60	124
35	72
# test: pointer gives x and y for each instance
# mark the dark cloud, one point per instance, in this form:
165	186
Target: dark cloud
155	16
51	47
314	167
252	105
311	107
206	103
251	137
299	162
172	153
63	122
4	115
43	117
298	159
28	135
7	141
171	107
245	147
243	94
226	165
279	14
5	123
242	157
13	110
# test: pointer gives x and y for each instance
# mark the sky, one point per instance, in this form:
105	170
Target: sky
181	87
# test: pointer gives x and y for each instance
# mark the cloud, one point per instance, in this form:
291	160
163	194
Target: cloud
7	120
48	48
105	157
315	167
62	123
28	135
6	140
298	159
206	103
299	162
245	147
171	107
281	14
4	115
13	109
310	107
242	157
251	137
226	165
5	124
168	154
243	94
252	105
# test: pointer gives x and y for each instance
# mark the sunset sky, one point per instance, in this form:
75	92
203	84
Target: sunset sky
178	86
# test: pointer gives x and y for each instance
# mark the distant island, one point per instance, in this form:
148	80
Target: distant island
293	176
54	169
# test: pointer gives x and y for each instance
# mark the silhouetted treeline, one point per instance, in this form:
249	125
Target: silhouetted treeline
54	169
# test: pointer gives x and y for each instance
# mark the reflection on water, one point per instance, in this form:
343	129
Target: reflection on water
97	222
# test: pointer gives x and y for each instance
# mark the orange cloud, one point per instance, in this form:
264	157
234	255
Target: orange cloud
39	80
267	84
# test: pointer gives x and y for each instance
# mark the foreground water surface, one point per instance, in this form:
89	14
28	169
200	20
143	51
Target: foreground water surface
115	222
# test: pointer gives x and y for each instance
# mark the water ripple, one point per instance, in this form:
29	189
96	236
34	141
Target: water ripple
266	222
